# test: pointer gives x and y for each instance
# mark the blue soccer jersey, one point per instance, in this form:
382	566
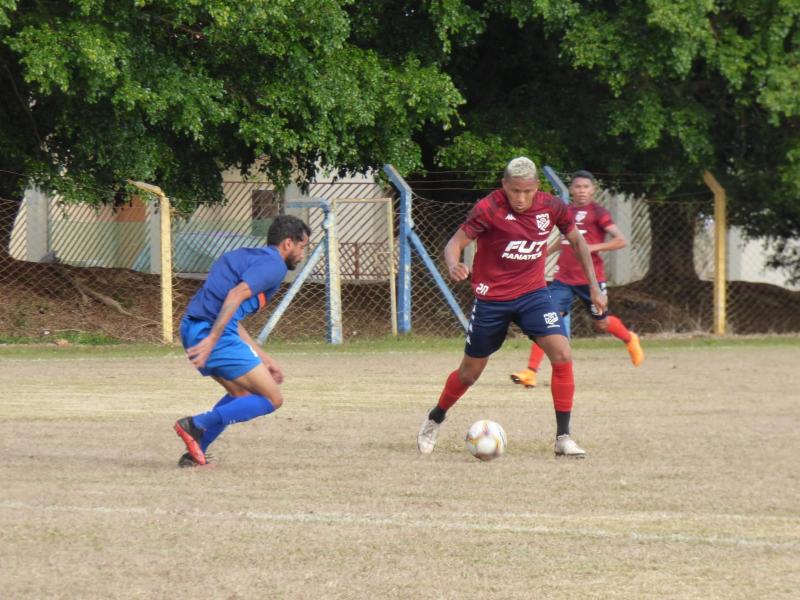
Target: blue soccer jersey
263	269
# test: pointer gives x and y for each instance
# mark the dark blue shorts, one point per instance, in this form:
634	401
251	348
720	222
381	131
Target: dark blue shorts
231	357
564	294
533	312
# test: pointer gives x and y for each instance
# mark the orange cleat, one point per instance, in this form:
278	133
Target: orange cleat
635	350
526	377
191	435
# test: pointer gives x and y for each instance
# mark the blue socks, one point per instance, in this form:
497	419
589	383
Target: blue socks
212	433
230	409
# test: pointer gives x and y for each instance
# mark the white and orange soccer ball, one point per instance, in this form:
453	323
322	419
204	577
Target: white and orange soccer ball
486	440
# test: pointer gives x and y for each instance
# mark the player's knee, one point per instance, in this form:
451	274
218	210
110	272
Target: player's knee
560	355
276	400
601	326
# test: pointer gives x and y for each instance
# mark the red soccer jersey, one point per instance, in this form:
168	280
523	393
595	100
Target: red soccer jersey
592	220
512	247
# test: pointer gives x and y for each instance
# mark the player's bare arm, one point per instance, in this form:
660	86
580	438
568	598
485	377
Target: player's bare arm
271	364
198	355
459	271
615	242
581	249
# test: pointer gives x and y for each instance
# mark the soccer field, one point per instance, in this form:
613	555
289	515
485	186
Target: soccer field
691	488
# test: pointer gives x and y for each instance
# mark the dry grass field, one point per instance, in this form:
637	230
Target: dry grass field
691	488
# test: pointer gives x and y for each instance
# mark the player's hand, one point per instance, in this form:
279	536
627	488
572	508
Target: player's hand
598	299
459	272
198	355
274	369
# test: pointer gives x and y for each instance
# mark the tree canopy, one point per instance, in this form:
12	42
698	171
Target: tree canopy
655	92
95	92
170	91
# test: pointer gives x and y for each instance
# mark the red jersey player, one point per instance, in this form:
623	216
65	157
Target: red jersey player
596	224
511	226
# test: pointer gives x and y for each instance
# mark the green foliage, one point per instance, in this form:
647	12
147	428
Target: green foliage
95	92
663	88
172	91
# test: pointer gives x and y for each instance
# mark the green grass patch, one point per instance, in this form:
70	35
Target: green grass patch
88	345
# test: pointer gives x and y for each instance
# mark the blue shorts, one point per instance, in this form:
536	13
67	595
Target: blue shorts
534	312
563	295
231	357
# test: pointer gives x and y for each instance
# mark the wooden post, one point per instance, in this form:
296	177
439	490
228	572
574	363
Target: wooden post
165	220
720	254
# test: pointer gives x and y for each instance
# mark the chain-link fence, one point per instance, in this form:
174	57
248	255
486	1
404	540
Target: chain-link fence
661	282
52	276
68	271
73	271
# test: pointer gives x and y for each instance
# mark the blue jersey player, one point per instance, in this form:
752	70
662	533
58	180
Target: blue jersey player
238	284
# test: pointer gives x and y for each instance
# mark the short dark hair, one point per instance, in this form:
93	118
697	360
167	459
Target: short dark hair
583	175
287	226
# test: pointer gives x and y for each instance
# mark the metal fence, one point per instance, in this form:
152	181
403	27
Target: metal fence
662	282
75	270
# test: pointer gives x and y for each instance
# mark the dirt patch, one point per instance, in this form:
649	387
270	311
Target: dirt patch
50	301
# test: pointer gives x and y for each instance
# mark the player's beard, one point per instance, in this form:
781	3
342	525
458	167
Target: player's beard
291	264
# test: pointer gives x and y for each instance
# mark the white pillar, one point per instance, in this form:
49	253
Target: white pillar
736	245
37	244
618	262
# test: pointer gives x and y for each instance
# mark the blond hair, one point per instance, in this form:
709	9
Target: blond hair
520	167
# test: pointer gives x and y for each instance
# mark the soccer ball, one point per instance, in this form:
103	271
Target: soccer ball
486	440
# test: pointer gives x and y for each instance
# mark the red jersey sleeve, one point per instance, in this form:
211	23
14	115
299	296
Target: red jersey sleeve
479	218
604	218
562	216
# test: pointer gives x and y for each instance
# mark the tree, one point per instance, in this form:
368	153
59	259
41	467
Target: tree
96	92
662	88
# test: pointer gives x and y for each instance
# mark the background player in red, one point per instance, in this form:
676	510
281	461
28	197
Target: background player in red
512	226
602	235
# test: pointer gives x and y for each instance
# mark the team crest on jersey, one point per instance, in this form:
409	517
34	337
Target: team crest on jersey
543	221
580	215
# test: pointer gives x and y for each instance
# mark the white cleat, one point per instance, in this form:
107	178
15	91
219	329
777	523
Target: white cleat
566	446
426	438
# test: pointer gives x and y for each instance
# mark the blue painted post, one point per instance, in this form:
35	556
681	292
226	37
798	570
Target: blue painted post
404	267
555	181
563	193
448	295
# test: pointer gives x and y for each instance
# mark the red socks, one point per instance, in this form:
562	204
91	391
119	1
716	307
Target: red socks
535	359
618	330
453	390
562	386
